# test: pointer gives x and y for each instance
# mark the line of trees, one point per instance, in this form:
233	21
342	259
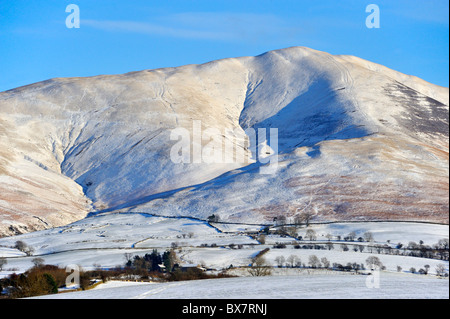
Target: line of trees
260	267
438	251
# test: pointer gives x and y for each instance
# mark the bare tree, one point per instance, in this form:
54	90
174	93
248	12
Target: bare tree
38	262
280	261
306	217
128	257
298	220
351	236
441	270
259	267
374	262
325	262
292	260
311	234
291	231
29	251
3	262
314	261
23	247
368	236
20	245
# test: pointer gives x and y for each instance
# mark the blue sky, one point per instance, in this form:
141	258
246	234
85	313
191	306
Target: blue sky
118	36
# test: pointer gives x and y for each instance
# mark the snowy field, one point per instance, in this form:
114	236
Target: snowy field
219	258
222	258
122	231
395	232
102	241
274	287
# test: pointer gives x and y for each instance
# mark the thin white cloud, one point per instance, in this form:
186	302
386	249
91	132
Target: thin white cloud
220	26
151	29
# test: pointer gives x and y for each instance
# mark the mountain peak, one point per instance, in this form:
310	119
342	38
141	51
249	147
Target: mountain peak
358	139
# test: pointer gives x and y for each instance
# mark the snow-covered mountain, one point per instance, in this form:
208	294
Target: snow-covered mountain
356	140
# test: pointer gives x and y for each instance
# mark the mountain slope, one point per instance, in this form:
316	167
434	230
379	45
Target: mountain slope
356	141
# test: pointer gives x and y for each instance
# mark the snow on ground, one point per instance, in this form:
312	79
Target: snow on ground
86	259
104	239
275	239
124	231
395	232
343	257
10	252
236	228
219	258
316	286
120	284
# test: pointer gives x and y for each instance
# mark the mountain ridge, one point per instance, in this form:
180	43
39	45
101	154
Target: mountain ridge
104	140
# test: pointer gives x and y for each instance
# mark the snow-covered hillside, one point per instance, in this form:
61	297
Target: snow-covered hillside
357	141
